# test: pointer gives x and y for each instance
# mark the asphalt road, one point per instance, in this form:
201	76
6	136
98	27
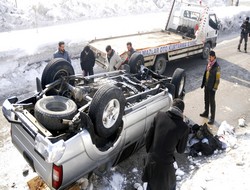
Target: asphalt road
232	97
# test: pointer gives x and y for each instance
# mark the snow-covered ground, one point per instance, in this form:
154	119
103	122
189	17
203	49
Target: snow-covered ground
23	55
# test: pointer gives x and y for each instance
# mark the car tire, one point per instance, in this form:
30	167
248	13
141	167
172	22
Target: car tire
51	110
160	65
135	62
106	110
206	50
179	80
55	69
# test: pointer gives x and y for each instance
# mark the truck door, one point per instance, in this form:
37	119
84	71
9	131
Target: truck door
212	28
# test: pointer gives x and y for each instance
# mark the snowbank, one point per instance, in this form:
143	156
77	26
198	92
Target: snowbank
32	14
23	14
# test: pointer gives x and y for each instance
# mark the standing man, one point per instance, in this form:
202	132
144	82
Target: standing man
245	31
168	133
87	61
130	49
61	52
211	80
114	60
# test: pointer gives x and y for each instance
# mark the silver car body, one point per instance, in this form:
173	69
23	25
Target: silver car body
80	155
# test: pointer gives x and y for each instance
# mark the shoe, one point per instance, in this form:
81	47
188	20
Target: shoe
210	121
239	50
204	114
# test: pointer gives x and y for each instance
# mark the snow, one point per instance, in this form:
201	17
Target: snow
24	54
210	175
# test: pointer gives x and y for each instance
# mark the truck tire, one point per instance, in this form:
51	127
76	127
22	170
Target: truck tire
135	62
160	65
106	110
51	110
206	50
179	80
55	69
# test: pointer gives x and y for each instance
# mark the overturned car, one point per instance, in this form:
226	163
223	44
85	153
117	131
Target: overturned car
75	125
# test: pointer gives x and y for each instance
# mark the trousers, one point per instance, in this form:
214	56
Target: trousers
209	98
245	38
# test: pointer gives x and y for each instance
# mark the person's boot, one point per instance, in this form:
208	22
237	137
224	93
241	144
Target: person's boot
239	47
204	114
210	121
245	48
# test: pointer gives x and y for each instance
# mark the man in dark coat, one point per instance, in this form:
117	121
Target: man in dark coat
130	49
168	133
61	52
87	61
211	80
245	31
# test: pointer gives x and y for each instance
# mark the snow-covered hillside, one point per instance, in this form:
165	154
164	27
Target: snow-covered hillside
31	14
23	14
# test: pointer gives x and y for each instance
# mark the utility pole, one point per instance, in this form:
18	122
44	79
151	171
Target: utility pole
170	13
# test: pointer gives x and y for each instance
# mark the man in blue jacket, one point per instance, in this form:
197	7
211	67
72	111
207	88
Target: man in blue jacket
61	52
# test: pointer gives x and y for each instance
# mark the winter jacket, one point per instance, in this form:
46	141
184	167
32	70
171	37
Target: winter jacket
64	55
168	133
130	52
211	79
245	28
87	60
114	61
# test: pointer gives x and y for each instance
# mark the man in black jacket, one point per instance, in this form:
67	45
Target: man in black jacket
245	31
168	133
87	61
211	80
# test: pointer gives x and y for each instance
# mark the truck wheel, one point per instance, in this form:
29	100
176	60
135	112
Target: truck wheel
160	65
179	80
206	50
51	110
135	62
55	69
106	110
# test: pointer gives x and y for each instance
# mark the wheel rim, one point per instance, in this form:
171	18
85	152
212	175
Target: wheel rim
160	66
181	87
111	113
56	106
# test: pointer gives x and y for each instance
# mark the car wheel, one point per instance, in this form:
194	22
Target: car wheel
179	80
106	110
51	110
135	62
54	70
160	65
206	50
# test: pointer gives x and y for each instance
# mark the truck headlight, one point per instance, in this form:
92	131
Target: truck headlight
51	152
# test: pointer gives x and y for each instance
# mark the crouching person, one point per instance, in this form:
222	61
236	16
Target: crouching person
168	133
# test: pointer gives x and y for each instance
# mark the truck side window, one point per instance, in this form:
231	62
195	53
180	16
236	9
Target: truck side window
213	22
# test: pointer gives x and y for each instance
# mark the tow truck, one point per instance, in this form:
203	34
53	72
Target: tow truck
190	29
